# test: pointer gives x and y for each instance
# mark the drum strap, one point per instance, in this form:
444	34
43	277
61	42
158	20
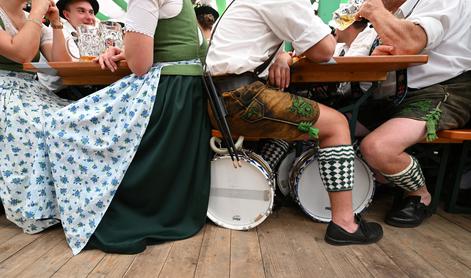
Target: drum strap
409	179
336	166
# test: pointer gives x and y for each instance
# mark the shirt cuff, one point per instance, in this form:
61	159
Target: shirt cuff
433	29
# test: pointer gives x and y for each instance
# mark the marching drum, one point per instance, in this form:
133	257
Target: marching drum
240	198
282	175
309	192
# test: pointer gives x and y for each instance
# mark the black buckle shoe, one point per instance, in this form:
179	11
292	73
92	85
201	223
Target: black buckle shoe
367	232
409	213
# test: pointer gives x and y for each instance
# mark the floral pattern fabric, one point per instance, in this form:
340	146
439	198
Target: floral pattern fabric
64	160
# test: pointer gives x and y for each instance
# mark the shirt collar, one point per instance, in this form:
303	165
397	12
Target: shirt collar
406	8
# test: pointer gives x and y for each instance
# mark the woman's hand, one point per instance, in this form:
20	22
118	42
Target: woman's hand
279	72
110	57
53	13
39	8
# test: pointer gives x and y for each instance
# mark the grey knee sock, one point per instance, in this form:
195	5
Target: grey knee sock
336	166
409	179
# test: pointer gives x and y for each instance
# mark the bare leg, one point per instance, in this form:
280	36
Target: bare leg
384	148
334	131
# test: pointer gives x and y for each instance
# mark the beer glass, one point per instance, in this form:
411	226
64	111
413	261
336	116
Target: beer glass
89	42
346	14
112	34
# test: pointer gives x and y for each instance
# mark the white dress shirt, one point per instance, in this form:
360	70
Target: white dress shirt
448	28
250	31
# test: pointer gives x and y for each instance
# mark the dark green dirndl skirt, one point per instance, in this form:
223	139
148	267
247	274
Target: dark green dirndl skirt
164	194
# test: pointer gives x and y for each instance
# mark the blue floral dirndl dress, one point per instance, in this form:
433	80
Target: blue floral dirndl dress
63	161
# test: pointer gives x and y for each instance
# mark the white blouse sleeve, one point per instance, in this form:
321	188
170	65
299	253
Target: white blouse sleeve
142	17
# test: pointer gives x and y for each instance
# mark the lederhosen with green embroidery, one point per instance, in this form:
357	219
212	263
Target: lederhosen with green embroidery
9	65
256	109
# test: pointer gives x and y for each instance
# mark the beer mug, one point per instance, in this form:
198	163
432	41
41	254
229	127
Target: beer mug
345	15
112	34
89	42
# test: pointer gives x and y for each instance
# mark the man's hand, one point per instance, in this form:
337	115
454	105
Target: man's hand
53	13
279	72
371	8
383	50
110	57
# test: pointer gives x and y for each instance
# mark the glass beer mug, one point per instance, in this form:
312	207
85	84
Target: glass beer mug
345	15
89	42
112	34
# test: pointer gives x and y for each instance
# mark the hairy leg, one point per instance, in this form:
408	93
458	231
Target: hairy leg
384	148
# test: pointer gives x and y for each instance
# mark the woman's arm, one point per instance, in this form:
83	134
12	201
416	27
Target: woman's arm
24	46
139	52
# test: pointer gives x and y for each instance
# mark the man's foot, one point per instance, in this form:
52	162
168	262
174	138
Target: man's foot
367	232
409	213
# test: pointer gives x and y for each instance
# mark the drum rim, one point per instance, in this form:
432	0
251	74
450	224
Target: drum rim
302	167
292	151
251	158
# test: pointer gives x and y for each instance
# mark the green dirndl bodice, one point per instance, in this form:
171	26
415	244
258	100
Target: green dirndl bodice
164	194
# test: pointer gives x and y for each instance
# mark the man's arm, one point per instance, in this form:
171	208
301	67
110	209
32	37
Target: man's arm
321	51
404	36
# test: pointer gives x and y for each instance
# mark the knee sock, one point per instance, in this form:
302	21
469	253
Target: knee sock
336	166
409	179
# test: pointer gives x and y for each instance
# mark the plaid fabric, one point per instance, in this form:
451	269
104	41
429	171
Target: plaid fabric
410	179
336	167
273	151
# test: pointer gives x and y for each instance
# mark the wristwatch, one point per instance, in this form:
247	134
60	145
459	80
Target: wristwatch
57	25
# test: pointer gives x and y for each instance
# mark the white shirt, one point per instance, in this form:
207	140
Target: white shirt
448	28
53	82
256	29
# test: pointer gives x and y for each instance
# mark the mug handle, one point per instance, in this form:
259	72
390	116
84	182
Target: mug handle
68	47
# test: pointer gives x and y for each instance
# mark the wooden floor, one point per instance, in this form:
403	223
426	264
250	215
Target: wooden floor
287	244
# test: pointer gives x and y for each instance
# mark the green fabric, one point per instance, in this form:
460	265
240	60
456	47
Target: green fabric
9	65
176	38
164	194
326	8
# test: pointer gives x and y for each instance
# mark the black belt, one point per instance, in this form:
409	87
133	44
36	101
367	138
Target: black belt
226	83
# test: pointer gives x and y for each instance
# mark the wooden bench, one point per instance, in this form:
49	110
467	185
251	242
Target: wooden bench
453	136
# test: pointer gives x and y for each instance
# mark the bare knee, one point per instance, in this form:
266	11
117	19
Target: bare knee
334	129
374	151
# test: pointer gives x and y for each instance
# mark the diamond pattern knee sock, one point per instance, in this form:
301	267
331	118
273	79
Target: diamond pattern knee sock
336	166
409	179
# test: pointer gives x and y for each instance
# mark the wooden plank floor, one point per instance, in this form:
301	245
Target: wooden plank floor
287	244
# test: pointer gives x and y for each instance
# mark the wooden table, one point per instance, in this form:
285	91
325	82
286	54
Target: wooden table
304	72
80	73
345	69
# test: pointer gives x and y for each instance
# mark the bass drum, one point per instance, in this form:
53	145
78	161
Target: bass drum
309	191
282	175
240	198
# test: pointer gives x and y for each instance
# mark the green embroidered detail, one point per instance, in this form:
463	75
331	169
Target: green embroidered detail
301	107
309	129
254	112
423	106
432	119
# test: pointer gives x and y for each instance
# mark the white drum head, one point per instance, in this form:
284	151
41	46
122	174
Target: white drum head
282	176
241	198
314	200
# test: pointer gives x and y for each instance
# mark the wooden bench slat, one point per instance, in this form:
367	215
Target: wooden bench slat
457	134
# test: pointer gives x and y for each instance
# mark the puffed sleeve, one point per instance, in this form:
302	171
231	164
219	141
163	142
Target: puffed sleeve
142	16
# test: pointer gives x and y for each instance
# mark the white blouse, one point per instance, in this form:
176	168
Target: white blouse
143	15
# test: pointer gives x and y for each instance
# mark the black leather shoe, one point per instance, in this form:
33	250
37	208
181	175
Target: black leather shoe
367	232
409	213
